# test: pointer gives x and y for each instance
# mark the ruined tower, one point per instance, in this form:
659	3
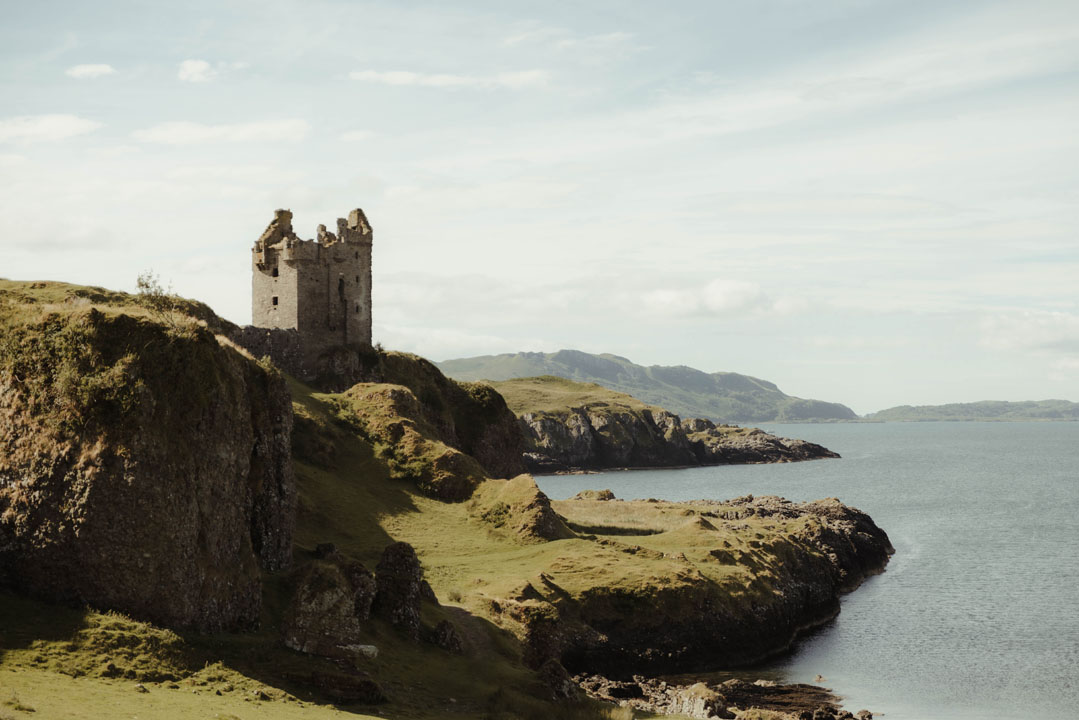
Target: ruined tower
320	288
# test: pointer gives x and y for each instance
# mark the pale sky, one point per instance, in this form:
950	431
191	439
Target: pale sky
868	202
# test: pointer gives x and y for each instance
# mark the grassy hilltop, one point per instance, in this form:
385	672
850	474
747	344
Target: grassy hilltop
524	582
723	397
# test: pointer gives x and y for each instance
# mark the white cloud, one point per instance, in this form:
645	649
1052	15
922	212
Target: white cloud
196	71
724	296
447	342
605	47
719	297
200	71
44	128
94	70
1035	330
190	133
510	80
357	135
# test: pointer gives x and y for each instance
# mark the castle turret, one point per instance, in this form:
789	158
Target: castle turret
321	288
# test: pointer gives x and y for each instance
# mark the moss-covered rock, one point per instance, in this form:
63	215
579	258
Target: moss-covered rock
143	467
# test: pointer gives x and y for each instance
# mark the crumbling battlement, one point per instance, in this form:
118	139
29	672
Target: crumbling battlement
280	237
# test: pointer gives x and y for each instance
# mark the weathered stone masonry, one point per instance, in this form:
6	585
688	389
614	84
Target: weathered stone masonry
322	287
311	299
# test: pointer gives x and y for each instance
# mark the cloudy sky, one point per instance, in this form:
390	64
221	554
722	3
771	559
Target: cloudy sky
874	202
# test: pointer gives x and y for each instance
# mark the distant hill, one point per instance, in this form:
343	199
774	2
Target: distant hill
721	397
984	411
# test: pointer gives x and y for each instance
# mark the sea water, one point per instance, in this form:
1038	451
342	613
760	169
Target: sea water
977	614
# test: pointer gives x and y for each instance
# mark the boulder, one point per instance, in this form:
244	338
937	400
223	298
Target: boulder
399	580
594	495
329	605
556	678
699	701
446	637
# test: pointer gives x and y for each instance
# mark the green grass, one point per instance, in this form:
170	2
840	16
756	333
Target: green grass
50	295
550	394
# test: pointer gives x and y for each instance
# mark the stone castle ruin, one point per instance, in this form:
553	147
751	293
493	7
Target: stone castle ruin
311	299
321	287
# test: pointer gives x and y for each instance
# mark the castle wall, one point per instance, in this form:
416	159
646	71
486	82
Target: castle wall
265	287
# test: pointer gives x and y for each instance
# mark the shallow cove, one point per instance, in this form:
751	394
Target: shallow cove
977	615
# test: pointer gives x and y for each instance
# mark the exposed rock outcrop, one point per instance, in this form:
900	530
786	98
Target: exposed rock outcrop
143	467
443	435
724	700
604	437
694	619
445	636
331	601
400	588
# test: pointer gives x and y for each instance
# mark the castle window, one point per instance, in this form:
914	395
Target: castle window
274	273
357	256
357	308
357	278
275	301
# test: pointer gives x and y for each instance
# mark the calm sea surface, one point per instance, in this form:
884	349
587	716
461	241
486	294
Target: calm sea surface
977	615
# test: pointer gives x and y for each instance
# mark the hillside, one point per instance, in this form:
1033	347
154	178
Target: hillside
984	411
569	425
210	548
722	397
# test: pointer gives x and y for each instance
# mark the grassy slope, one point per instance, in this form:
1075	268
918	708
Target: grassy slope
551	394
986	411
722	397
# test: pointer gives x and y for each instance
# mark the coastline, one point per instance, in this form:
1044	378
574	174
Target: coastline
709	693
635	468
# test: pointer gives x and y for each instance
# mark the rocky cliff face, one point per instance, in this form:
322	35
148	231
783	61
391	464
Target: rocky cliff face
143	467
800	558
605	437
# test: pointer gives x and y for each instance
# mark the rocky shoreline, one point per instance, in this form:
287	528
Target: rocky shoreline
709	620
702	700
594	439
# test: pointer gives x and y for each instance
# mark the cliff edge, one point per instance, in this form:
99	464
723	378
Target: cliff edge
144	466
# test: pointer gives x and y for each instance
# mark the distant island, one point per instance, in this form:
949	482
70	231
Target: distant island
984	411
723	397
